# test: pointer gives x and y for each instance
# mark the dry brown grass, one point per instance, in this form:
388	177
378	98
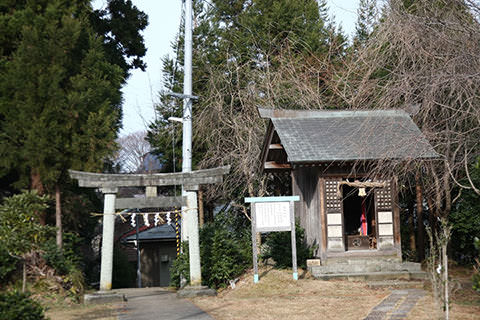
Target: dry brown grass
278	296
84	312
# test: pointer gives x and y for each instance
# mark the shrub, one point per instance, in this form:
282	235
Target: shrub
476	275
279	248
225	251
18	306
20	231
65	260
180	267
7	264
66	263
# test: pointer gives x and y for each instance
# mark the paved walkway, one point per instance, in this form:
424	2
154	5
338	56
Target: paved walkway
397	305
158	304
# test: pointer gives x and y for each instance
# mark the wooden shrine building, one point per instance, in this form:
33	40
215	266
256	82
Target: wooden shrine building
344	212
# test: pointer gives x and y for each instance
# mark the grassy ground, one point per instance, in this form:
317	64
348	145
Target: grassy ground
277	296
83	312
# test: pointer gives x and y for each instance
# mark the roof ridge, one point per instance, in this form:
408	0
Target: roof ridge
317	113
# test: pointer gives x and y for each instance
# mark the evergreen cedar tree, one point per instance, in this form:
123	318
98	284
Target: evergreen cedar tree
62	66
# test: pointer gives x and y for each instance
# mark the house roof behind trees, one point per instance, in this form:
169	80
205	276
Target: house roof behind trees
158	233
322	136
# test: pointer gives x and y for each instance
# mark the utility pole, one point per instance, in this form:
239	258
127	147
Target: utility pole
189	212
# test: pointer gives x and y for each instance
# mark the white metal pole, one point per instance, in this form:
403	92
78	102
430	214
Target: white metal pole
187	90
189	213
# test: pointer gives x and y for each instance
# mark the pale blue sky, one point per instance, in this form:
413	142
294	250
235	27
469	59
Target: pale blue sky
142	88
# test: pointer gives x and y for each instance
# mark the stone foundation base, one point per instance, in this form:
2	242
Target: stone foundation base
195	291
102	297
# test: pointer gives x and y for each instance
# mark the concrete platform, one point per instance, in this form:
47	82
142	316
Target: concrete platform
102	297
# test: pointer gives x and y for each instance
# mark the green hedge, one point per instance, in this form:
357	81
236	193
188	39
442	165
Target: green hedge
15	305
278	246
225	251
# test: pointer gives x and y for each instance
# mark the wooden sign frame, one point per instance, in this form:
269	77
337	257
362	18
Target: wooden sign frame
289	200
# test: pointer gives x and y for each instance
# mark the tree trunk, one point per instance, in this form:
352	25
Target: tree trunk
411	223
58	216
445	278
36	184
24	276
431	215
420	227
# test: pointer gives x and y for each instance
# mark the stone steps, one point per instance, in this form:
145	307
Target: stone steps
372	276
361	268
371	266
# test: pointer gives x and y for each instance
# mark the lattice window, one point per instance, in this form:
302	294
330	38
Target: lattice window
333	203
384	197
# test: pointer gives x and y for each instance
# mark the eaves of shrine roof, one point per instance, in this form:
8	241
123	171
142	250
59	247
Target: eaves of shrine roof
321	136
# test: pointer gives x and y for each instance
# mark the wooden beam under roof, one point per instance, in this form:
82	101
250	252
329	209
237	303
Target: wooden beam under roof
270	165
275	146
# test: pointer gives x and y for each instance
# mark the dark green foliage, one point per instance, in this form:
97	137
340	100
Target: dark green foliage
66	260
124	272
180	267
279	248
366	20
225	251
120	23
15	305
60	99
476	282
7	264
476	275
465	221
277	23
20	231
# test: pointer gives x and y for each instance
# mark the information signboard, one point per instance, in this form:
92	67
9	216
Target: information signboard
270	214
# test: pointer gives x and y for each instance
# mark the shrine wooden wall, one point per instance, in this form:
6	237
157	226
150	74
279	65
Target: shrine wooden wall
316	185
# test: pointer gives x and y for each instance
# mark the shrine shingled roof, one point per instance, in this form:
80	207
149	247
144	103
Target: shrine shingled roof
316	136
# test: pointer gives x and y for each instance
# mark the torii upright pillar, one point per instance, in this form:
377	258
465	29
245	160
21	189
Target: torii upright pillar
106	266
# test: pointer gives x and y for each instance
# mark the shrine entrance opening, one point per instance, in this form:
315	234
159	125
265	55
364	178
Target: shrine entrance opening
359	218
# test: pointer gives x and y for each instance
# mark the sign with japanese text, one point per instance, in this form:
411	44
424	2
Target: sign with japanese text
272	216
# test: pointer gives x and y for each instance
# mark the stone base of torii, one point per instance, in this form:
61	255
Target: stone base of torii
108	184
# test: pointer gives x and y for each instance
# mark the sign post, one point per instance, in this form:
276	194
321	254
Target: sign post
272	214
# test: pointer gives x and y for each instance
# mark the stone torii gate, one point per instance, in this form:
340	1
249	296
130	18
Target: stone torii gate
109	184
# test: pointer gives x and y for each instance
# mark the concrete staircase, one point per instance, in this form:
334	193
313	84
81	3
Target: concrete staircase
376	269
